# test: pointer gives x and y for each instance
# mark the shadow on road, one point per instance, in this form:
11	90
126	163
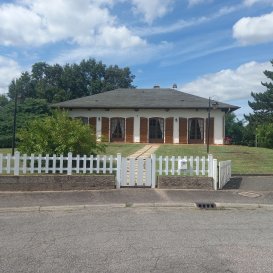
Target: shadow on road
233	184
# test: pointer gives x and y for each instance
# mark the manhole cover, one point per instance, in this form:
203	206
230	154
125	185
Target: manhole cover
249	194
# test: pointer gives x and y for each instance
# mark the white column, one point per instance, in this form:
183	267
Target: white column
136	128
98	130
176	130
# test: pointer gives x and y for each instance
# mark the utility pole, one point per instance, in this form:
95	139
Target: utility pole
208	129
14	122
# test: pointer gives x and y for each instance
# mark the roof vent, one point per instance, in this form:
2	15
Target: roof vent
156	86
174	86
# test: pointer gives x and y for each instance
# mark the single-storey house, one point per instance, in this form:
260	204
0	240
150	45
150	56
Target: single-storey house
156	115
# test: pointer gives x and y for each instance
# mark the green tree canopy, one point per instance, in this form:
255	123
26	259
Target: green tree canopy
262	104
260	122
26	111
58	134
234	128
3	100
56	83
46	84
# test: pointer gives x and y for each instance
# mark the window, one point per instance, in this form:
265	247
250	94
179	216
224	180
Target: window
196	129
83	119
117	129
156	130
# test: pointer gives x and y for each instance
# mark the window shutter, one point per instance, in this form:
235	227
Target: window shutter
169	130
183	131
130	130
105	128
143	130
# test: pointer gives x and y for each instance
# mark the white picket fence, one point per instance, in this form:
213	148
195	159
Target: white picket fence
128	171
224	173
187	165
23	164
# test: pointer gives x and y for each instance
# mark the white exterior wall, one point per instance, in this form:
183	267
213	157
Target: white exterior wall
150	113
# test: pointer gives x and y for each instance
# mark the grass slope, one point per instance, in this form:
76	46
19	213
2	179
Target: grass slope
245	160
111	149
124	149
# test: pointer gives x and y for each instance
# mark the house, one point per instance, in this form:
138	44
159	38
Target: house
156	115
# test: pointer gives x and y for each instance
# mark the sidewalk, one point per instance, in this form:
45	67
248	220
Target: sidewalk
36	201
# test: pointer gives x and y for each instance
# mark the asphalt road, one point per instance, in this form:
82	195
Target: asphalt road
137	240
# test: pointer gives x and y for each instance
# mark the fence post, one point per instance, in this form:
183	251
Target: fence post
16	163
69	164
118	175
153	158
215	174
210	165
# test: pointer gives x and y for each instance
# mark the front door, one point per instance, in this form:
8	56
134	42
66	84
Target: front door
156	130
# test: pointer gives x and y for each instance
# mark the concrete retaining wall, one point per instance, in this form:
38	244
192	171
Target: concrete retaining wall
185	182
56	182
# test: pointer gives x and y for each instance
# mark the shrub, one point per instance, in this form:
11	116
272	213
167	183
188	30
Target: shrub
58	134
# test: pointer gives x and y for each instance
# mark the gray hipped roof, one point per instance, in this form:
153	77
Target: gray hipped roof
155	98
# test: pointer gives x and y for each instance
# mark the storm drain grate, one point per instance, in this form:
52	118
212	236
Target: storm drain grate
205	205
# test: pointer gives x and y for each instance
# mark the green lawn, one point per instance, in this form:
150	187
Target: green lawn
124	149
245	160
111	149
5	150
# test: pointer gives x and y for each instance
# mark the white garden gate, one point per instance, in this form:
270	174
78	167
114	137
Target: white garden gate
136	172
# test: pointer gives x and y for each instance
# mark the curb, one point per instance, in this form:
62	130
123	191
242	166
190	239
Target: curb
246	206
219	206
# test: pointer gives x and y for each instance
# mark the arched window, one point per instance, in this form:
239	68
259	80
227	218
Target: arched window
117	129
156	130
196	130
83	119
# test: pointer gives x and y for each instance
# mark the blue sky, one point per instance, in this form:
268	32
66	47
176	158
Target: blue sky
209	48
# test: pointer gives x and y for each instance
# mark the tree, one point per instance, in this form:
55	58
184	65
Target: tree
265	135
58	134
261	121
3	100
234	128
26	111
262	103
56	83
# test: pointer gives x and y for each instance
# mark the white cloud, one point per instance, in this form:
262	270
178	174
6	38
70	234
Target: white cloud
229	84
9	69
250	3
152	9
121	56
83	22
254	30
182	24
197	2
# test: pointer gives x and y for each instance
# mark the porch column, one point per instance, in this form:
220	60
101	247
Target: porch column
136	129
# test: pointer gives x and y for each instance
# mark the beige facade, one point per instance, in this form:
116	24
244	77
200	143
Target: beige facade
154	125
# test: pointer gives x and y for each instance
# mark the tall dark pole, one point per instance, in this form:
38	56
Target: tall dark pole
208	129
14	121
